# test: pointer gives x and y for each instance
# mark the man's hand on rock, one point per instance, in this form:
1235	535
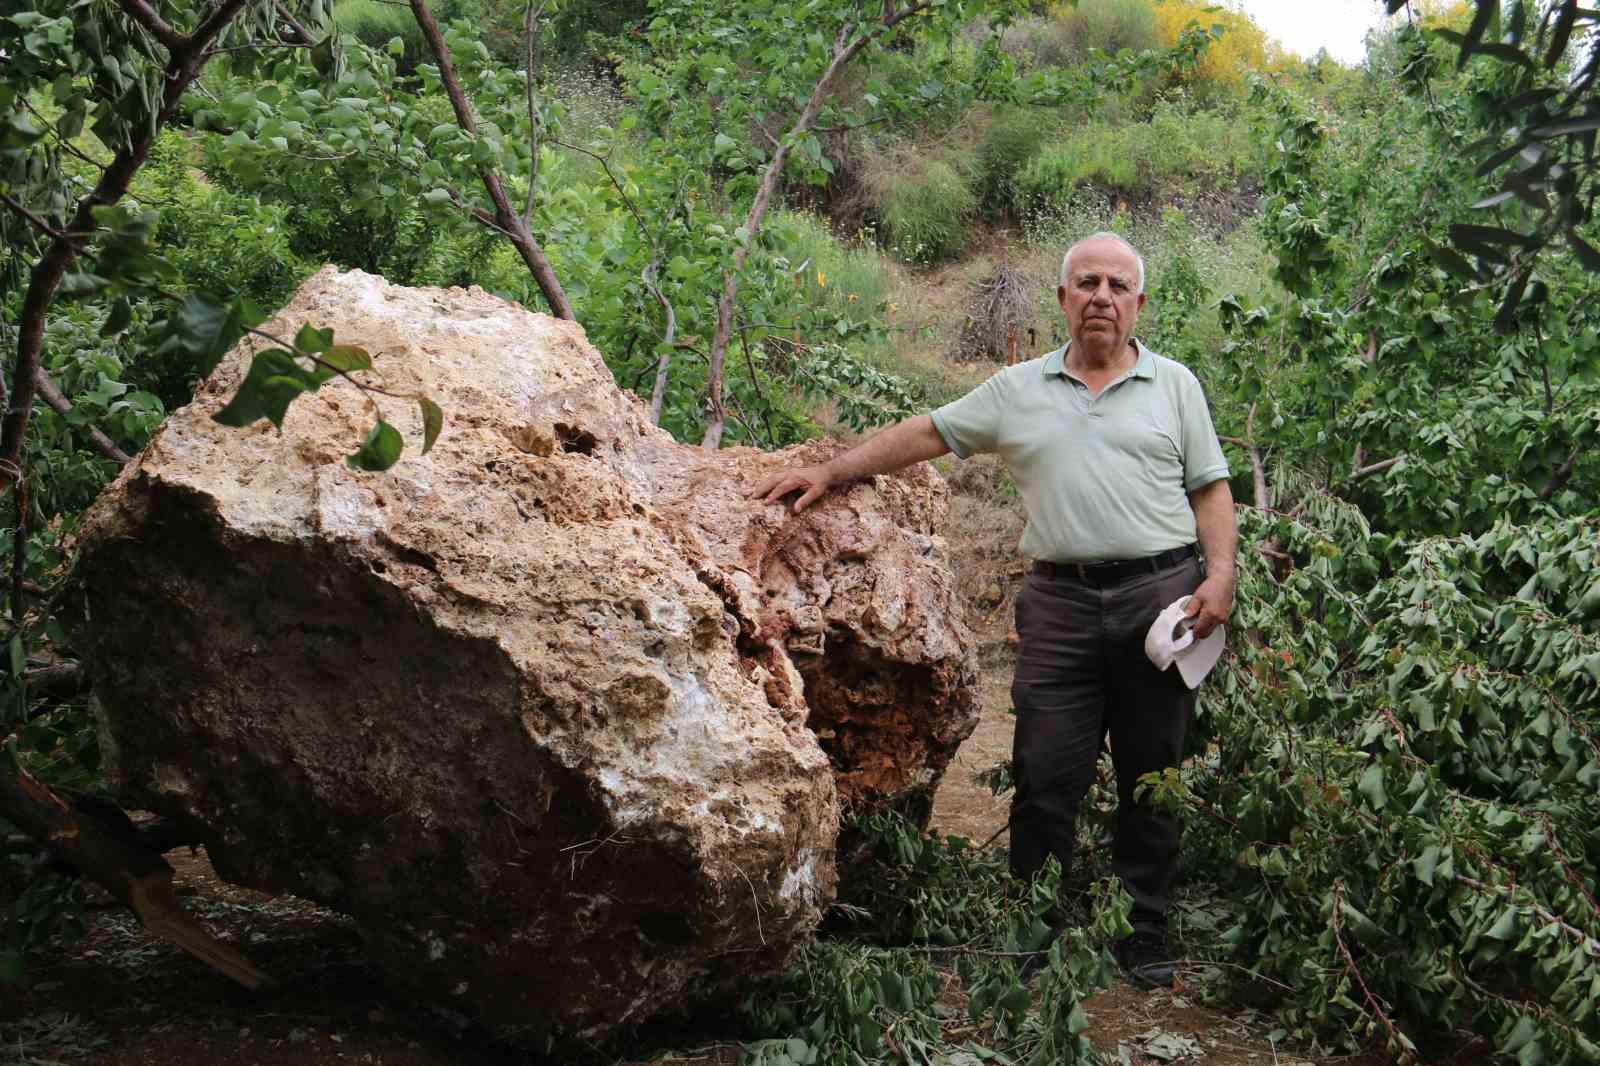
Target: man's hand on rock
810	481
1211	603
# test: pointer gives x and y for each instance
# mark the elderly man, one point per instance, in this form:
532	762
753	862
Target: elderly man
1113	451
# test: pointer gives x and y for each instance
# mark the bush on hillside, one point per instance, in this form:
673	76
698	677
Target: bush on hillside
1175	150
1065	35
925	212
1012	140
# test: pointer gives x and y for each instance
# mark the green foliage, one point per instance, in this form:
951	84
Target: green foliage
925	212
1173	150
1010	143
848	1003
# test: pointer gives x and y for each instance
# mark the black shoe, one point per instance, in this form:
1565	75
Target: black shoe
1146	959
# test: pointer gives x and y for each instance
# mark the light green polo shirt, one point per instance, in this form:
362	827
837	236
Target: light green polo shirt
1103	477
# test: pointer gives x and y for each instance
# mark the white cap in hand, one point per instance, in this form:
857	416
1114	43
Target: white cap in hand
1171	640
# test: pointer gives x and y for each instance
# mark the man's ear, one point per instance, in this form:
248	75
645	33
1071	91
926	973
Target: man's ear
1061	297
1142	298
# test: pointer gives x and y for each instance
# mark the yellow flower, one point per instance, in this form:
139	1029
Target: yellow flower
822	280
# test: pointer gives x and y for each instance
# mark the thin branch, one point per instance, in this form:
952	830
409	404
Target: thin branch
62	406
520	235
1398	1043
34	220
530	31
293	23
65	144
1563	474
1376	468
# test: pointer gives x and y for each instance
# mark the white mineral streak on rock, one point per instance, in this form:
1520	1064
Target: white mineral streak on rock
532	708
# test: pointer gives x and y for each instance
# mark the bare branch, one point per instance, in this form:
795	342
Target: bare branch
1376	468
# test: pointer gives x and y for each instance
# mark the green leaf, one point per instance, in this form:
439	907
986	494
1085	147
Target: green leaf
432	422
119	318
347	358
313	340
1371	786
379	451
272	383
11	966
19	657
205	329
1586	253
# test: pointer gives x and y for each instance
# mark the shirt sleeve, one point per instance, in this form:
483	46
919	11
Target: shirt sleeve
1203	461
972	423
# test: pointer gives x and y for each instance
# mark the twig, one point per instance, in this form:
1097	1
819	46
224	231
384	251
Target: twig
1398	1043
1376	468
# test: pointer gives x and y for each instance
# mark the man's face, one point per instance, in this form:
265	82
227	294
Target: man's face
1100	298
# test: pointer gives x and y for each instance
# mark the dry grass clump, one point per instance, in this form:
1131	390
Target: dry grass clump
1001	323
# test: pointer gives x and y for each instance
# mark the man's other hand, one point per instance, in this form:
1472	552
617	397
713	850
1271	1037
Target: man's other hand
1211	603
809	481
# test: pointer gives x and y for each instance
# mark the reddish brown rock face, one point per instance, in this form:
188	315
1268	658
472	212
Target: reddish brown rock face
554	712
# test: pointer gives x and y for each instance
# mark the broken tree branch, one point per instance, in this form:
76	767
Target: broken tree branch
139	878
1376	468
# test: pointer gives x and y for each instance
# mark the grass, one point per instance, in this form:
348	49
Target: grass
1174	149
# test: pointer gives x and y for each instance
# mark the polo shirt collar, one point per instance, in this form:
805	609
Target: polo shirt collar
1055	363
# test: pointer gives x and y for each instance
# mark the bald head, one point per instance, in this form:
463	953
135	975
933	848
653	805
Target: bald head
1108	237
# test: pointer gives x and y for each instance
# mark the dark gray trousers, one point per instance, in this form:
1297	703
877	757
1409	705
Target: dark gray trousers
1082	673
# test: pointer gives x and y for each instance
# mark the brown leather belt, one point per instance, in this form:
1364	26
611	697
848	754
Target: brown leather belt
1117	570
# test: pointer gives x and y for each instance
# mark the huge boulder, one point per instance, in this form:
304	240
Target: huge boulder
558	716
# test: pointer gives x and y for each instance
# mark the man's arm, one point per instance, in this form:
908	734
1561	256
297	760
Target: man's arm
1219	540
899	446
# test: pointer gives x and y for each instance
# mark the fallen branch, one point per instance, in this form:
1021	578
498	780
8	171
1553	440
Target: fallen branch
138	877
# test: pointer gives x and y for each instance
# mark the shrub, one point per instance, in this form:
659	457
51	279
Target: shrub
925	212
1065	35
847	279
1012	140
376	23
1174	150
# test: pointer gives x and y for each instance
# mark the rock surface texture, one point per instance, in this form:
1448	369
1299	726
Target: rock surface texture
562	720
